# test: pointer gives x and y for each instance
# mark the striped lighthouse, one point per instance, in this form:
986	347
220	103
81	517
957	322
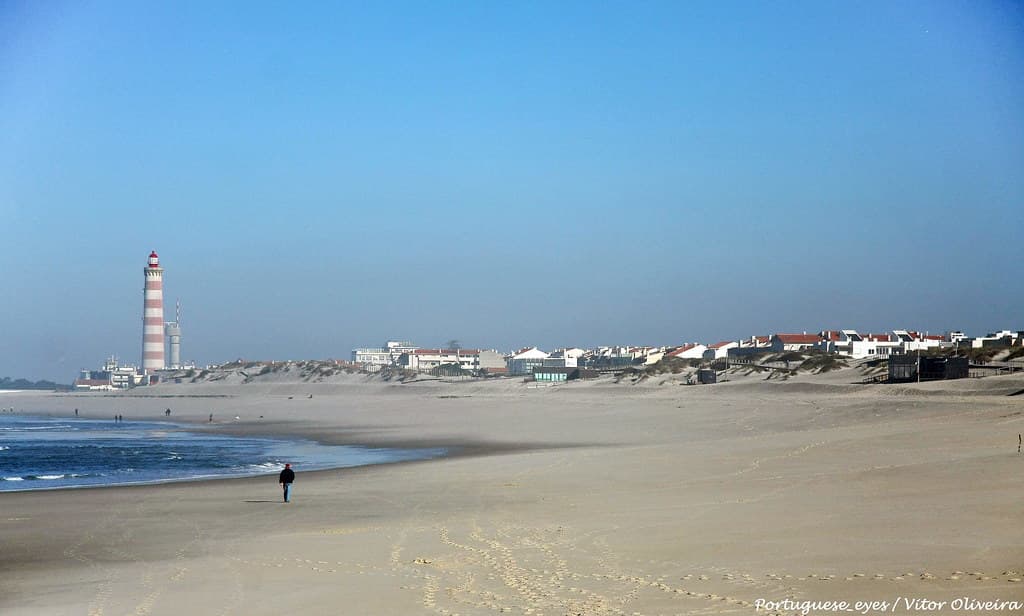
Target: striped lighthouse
153	316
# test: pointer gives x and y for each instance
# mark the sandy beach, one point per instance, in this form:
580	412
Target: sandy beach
581	499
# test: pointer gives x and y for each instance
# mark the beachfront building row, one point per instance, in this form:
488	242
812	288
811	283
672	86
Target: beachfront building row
523	362
408	356
846	342
1003	338
853	344
526	361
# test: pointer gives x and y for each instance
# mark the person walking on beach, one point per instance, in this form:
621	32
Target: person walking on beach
286	479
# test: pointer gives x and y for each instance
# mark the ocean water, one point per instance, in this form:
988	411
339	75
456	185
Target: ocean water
44	453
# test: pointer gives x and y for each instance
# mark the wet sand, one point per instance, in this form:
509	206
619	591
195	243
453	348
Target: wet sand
587	498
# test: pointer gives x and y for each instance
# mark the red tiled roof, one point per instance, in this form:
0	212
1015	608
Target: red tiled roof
461	352
832	334
798	338
721	344
683	349
763	339
878	337
934	337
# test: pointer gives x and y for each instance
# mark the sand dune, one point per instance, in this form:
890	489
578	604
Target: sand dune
589	498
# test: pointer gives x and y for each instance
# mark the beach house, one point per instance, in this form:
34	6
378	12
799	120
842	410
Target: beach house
851	343
372	359
913	341
425	360
751	346
692	350
794	342
719	350
525	360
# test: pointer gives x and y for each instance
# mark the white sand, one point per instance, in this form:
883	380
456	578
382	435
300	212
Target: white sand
592	498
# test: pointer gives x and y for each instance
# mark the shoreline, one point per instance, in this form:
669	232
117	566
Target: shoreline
297	436
285	431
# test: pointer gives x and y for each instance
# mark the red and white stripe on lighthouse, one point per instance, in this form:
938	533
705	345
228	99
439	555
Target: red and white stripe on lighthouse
153	316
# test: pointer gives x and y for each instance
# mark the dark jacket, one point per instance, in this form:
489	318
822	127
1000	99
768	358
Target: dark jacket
287	476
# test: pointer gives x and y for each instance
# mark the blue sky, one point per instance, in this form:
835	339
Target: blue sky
334	175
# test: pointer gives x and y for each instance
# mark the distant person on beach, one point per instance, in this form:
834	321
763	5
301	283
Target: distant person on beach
286	478
76	412
211	417
167	413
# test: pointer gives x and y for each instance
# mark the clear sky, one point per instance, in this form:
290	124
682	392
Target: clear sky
318	177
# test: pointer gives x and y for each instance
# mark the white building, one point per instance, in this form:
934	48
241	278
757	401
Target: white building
858	346
794	342
373	359
653	356
754	345
112	376
569	357
424	360
719	350
1005	337
525	360
692	350
914	341
607	357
